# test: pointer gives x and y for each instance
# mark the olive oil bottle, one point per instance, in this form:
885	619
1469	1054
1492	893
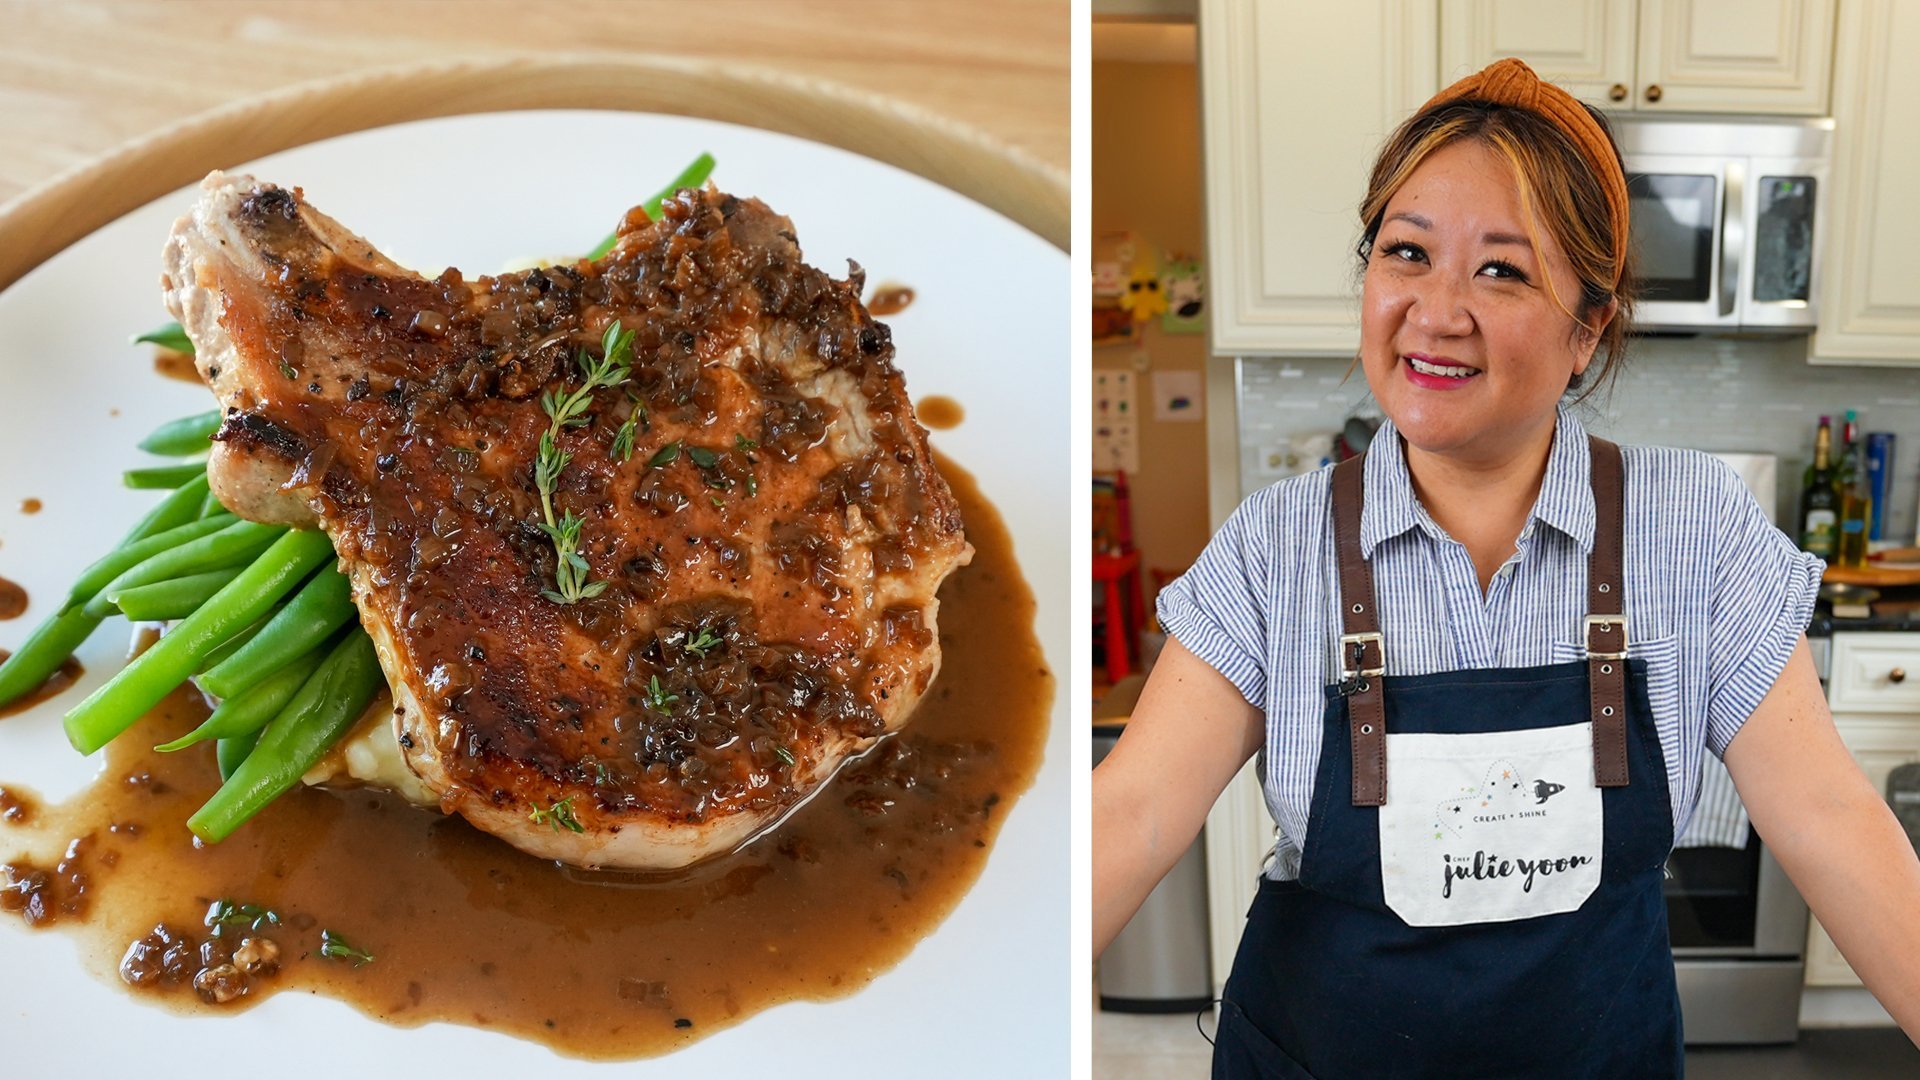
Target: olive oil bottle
1819	503
1854	487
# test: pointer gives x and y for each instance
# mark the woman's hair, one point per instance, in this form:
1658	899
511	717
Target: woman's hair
1556	183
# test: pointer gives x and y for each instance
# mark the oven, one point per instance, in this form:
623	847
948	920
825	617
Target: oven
1739	933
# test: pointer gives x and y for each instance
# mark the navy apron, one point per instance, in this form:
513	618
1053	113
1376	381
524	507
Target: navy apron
1502	915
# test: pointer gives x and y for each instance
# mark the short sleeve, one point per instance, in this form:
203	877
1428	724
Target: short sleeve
1219	608
1764	589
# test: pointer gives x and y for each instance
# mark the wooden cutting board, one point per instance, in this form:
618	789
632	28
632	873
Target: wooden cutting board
48	218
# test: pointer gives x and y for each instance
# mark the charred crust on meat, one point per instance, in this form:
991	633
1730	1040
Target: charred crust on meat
248	431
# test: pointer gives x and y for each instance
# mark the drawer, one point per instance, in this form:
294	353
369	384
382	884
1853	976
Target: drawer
1880	745
1875	673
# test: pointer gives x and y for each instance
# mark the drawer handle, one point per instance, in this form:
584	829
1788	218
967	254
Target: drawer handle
1618	92
1653	92
1897	675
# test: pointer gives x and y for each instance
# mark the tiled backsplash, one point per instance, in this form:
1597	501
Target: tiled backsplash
1727	395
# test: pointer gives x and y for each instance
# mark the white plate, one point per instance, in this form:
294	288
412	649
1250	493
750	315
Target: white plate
984	995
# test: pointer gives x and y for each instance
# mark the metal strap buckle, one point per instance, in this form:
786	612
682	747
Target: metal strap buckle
1347	640
1606	623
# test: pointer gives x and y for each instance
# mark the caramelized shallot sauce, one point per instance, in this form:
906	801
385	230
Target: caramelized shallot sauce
465	929
65	675
30	506
176	365
939	412
13	599
889	299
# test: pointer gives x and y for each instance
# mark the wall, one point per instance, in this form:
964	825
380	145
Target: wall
1146	179
1754	395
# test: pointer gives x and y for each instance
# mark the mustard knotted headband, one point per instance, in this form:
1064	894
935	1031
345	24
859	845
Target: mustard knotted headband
1512	83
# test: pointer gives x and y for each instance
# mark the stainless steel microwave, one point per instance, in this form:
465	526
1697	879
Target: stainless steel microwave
1726	215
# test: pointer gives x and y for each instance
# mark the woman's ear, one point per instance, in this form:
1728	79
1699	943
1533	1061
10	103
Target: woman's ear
1588	337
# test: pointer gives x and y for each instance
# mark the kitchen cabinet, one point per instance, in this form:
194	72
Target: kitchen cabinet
1874	691
1654	55
1870	294
1296	98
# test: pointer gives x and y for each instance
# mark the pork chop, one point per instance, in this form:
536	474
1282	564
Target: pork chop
760	532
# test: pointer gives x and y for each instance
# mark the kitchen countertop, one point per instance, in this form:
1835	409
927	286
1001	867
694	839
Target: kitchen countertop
79	78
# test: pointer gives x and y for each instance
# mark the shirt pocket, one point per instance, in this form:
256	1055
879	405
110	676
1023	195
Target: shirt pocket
1662	655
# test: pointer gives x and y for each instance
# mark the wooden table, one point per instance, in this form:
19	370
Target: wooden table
80	78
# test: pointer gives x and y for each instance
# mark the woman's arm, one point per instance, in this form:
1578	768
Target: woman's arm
1834	835
1186	739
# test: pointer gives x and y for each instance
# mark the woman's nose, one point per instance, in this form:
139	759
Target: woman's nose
1440	308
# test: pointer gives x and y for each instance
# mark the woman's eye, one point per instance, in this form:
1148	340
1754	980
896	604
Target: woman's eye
1508	271
1405	251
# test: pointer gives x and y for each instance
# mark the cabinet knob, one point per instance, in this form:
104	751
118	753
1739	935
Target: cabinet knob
1897	675
1653	92
1618	92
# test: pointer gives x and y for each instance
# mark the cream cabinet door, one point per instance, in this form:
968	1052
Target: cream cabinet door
1296	98
1870	295
1586	47
1735	56
1880	745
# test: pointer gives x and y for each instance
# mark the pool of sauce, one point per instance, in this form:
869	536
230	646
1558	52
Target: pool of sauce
13	599
176	365
463	928
939	412
889	299
30	506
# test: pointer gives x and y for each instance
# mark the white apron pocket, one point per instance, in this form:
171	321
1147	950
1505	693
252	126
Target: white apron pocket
1490	826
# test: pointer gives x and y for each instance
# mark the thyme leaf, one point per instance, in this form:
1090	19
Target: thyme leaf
559	815
568	409
702	643
224	913
335	947
658	699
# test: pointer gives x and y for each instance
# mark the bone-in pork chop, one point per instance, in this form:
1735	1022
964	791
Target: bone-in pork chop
758	527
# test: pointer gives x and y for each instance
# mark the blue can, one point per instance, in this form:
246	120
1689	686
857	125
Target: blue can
1879	476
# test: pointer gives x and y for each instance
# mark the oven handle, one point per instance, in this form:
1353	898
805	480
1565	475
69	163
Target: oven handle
1733	235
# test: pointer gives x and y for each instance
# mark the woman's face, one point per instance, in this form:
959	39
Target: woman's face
1465	349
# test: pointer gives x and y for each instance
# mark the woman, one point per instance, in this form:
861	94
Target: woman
1475	790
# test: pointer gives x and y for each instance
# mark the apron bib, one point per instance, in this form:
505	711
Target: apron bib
1480	887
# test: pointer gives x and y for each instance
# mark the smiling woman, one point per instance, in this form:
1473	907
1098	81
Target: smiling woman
1473	815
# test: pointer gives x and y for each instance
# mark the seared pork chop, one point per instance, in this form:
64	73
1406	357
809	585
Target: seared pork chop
756	504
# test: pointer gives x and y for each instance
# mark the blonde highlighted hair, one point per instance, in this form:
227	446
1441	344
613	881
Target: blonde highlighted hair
1557	186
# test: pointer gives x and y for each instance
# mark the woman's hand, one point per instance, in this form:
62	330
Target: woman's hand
1186	739
1834	835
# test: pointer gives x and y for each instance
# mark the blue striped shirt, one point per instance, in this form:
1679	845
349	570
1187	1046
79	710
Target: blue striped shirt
1716	599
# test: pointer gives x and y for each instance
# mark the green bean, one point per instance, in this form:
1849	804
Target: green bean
326	708
171	336
234	643
230	546
175	510
228	753
210	505
50	643
163	476
41	654
249	712
139	686
183	437
175	598
692	176
133	553
323	605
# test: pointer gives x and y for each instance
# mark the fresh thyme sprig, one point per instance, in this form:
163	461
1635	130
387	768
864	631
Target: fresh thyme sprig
702	643
567	410
559	815
658	699
224	913
335	947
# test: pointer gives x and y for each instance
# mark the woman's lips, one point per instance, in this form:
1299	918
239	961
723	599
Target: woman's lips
1431	379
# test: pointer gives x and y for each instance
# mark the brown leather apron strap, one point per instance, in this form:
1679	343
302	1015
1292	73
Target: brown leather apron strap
1606	636
1363	659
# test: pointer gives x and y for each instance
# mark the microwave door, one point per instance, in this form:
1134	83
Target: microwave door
1785	198
1679	236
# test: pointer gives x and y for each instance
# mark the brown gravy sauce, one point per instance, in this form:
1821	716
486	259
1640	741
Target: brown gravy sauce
30	506
939	412
176	365
889	299
13	599
65	675
597	965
